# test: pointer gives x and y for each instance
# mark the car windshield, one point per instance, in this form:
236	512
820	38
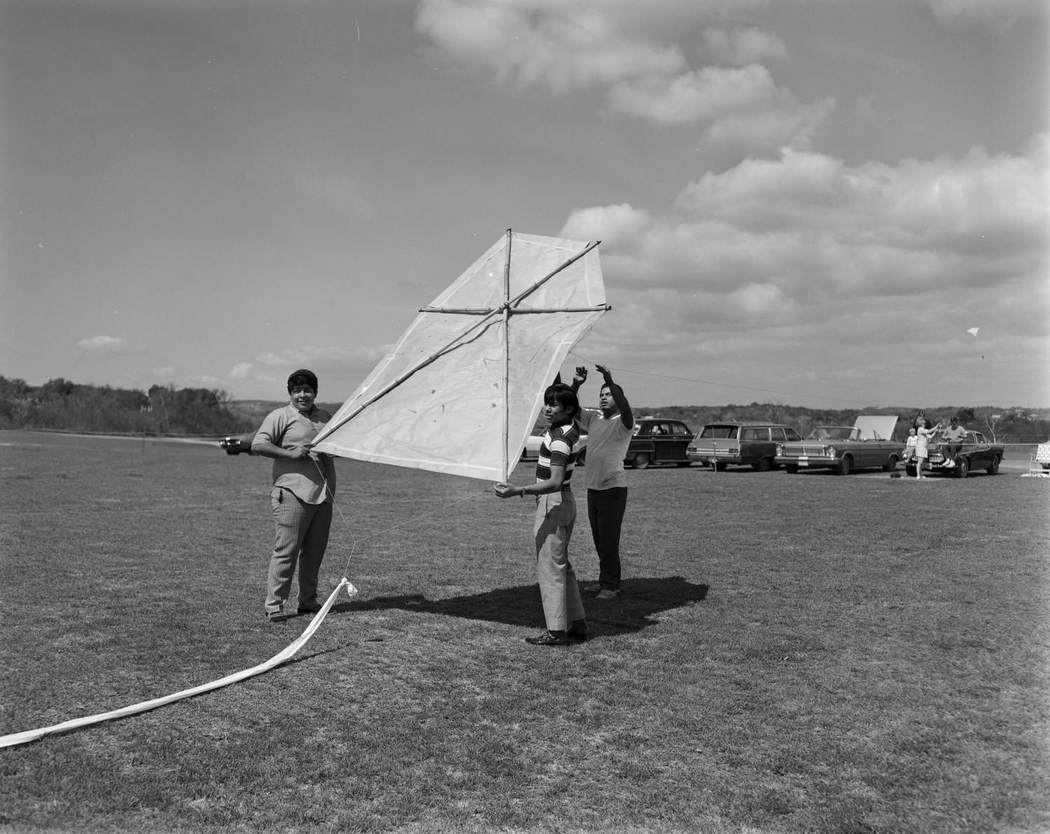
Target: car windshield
723	432
831	433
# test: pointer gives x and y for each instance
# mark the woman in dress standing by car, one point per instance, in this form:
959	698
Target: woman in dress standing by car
922	444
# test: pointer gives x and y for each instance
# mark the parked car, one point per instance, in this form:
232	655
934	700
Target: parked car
844	449
976	453
750	443
657	440
234	444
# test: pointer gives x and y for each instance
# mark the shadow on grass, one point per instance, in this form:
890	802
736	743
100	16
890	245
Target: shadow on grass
640	601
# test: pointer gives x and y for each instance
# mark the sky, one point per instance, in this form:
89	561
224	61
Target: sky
823	203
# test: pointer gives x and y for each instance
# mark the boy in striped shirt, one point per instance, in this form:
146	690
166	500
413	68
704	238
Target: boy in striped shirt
554	519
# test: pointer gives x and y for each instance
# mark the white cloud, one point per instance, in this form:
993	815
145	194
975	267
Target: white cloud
786	123
310	355
536	43
699	95
1000	14
323	360
602	222
339	369
104	344
742	45
979	201
806	250
631	53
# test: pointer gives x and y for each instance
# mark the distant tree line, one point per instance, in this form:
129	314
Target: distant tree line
62	405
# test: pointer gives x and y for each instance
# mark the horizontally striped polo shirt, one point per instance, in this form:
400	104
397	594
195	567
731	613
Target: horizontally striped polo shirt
558	448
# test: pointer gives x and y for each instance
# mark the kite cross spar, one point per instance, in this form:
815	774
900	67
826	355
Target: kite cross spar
481	354
484	350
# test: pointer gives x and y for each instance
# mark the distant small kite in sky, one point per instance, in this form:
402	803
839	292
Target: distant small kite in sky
973	332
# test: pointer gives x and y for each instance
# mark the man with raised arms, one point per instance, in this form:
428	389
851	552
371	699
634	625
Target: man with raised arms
609	433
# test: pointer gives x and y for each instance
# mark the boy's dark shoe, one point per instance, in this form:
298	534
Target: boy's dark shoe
549	638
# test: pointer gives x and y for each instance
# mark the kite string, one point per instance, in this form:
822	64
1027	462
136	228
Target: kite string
342	517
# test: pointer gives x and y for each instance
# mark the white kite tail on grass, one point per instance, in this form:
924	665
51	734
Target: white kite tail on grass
461	390
281	657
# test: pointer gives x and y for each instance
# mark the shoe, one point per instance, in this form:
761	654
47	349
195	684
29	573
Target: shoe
607	593
590	589
308	609
276	616
549	638
577	632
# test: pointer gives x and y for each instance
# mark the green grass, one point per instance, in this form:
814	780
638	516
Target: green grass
791	654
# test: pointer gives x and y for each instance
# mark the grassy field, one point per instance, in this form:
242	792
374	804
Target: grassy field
811	653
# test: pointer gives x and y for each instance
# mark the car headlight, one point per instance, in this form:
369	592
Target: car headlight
780	449
829	451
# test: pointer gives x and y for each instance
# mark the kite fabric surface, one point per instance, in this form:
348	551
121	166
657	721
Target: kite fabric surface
461	390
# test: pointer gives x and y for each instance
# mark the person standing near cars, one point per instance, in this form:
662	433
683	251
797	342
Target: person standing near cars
922	444
301	497
909	446
554	519
609	433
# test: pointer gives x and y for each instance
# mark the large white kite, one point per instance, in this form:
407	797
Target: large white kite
462	388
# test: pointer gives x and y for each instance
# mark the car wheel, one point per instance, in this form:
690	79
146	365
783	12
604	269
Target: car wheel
962	467
845	465
641	460
891	464
720	467
910	470
791	470
993	467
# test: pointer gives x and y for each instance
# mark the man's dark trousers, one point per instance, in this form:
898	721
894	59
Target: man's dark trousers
605	510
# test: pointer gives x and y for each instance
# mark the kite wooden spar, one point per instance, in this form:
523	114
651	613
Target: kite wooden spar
478	358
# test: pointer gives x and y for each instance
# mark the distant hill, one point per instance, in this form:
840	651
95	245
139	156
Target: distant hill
253	411
63	405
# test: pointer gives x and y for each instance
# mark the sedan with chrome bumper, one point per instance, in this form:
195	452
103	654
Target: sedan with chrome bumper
842	449
975	452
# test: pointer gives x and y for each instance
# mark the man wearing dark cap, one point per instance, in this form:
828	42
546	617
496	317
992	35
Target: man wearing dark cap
302	494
